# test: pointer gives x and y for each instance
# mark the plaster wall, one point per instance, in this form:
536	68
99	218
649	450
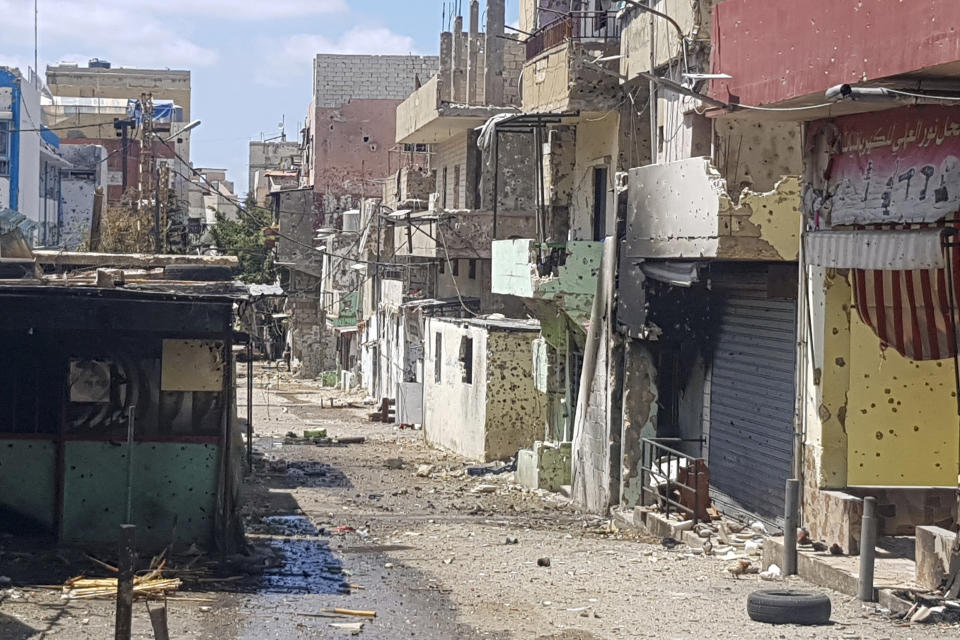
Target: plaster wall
756	155
77	198
762	226
597	145
635	39
451	158
516	410
455	413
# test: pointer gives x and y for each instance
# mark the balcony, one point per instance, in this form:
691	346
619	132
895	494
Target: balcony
455	234
683	210
577	26
562	273
425	118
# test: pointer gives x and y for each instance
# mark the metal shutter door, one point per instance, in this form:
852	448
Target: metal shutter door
752	406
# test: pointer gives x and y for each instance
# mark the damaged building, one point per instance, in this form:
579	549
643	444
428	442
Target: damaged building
93	357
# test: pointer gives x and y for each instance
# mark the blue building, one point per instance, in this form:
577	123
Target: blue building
30	162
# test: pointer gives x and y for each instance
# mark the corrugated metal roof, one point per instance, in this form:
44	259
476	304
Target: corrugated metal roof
876	250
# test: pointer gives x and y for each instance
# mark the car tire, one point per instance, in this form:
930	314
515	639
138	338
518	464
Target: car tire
786	606
198	273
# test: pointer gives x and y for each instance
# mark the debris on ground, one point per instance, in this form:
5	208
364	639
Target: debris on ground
353	627
424	470
739	568
484	488
772	574
543	562
150	585
394	463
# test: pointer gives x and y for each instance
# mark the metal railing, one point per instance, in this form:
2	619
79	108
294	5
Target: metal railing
578	26
661	470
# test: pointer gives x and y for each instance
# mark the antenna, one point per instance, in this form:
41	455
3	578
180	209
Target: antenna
36	39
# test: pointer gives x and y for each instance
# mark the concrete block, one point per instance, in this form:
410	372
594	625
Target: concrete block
528	471
933	547
545	466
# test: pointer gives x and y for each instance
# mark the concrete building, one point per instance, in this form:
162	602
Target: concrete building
30	162
350	136
82	192
267	160
876	408
479	398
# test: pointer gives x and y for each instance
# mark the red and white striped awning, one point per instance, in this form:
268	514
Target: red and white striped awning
901	285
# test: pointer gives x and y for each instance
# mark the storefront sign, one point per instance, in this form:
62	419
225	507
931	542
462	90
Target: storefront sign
898	165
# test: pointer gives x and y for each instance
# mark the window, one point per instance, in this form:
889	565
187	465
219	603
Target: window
443	190
456	267
466	358
472	269
437	358
4	148
456	186
443	266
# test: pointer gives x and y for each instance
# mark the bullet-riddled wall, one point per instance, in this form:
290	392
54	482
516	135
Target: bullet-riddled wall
495	410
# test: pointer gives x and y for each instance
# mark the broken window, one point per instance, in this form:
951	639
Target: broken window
456	266
437	358
472	269
466	358
443	266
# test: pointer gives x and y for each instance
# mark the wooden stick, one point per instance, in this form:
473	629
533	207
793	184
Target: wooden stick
352	612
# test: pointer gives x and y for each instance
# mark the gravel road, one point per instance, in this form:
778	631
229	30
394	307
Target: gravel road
434	556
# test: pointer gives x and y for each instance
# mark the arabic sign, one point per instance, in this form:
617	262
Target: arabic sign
900	165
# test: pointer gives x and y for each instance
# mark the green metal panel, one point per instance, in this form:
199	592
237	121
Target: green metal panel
174	490
27	479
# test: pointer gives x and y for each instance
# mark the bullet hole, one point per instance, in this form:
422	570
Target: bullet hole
873	405
936	464
878	454
366	138
863	411
836	331
891	431
841	362
331	127
886	391
879	435
916	428
891	401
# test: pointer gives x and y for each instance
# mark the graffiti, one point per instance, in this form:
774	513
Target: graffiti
887	167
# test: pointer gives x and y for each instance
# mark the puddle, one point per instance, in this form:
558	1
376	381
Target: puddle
306	565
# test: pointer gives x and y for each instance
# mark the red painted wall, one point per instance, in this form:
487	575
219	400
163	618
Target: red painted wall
782	49
352	146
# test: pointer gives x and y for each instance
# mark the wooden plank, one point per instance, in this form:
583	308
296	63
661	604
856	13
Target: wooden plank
142	260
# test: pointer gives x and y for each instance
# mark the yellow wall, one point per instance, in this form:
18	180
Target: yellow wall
546	82
882	420
901	416
597	146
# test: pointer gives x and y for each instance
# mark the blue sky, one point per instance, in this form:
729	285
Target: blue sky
250	59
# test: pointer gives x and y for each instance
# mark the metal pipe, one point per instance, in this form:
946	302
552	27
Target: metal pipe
125	572
790	512
250	403
868	549
841	92
131	418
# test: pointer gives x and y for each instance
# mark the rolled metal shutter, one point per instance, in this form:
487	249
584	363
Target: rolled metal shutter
752	386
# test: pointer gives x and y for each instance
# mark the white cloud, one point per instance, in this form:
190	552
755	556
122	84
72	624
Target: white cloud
124	34
289	59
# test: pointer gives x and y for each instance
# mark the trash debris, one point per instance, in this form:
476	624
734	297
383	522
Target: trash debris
753	547
394	463
707	547
820	546
5	580
543	562
772	573
149	585
739	568
509	540
342	529
388	565
836	550
310	434
424	470
759	527
484	488
353	627
448	560
206	609
803	537
669	542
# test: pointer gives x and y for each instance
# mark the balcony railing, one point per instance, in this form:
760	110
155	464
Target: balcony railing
577	26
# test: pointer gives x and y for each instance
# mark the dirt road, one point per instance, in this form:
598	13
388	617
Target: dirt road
449	551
